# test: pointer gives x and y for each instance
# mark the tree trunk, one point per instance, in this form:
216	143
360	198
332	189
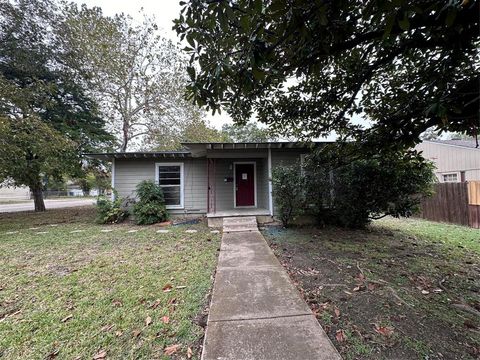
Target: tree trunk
38	197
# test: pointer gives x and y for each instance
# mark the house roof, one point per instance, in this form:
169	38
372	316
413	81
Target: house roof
253	145
140	155
467	143
199	149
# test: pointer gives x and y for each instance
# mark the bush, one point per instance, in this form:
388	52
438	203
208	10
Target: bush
288	192
353	189
349	189
111	212
150	207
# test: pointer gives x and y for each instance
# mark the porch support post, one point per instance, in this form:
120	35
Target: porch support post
113	179
270	187
211	190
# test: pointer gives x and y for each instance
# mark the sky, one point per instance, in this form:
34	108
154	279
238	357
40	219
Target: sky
164	11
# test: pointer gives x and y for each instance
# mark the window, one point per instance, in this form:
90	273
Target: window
449	177
170	178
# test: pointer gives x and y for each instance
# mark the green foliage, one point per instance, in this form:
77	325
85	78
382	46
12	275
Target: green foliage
111	212
249	132
194	129
288	191
306	68
47	118
350	190
136	75
150	207
341	186
31	150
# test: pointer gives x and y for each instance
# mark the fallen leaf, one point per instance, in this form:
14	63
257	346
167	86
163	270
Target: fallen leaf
172	349
356	288
155	304
165	319
117	303
167	288
340	336
148	321
107	327
371	286
386	331
65	319
118	333
172	301
189	353
337	312
425	292
136	333
100	355
53	354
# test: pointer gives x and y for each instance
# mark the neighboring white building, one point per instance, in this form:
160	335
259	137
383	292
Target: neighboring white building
10	193
455	160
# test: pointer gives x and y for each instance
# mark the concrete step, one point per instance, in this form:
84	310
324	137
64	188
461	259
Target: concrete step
244	223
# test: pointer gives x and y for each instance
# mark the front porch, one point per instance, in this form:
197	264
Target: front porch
239	186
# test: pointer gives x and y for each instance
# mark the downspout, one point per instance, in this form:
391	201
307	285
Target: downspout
270	187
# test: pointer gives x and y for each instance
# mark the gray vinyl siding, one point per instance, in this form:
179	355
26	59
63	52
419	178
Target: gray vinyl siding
128	173
262	183
225	191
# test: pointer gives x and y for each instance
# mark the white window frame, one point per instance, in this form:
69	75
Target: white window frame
235	184
182	181
447	174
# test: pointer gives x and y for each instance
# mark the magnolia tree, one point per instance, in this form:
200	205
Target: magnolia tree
306	68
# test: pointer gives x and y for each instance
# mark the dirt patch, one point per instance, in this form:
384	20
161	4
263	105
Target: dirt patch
384	294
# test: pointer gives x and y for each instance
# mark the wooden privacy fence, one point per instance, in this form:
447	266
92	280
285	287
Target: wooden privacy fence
457	203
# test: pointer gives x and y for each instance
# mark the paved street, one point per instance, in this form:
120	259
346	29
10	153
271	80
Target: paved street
49	204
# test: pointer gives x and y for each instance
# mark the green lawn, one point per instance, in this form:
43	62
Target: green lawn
401	289
71	291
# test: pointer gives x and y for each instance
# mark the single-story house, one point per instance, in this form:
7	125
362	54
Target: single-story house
212	179
455	160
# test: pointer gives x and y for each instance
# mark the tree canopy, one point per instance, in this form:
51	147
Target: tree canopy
47	117
248	132
306	68
137	76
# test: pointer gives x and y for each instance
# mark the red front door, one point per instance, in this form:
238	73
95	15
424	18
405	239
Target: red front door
245	184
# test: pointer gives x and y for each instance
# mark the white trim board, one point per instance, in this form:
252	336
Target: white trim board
270	185
182	182
235	183
112	196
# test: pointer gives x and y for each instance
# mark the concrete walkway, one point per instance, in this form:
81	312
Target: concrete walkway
256	313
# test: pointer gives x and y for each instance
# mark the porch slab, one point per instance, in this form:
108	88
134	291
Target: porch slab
286	338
